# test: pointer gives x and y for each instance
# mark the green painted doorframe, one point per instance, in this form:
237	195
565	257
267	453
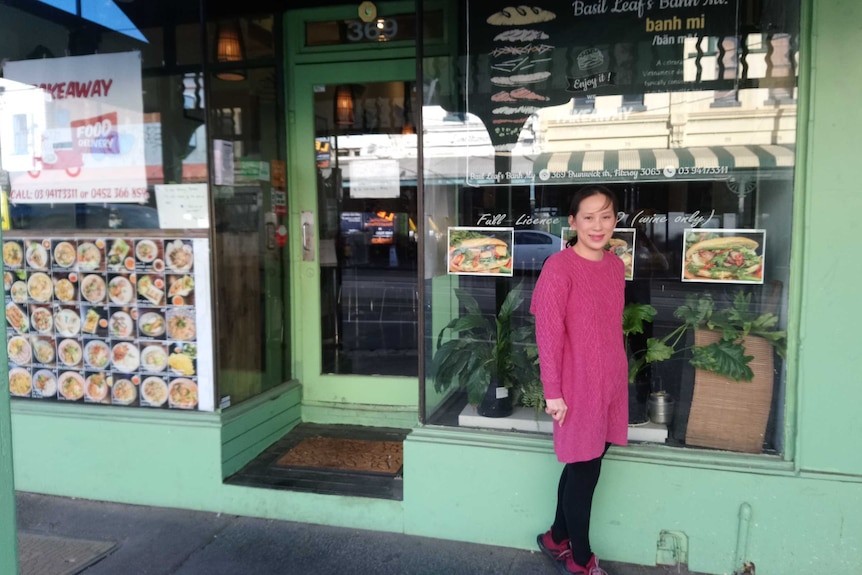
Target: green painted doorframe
364	400
8	530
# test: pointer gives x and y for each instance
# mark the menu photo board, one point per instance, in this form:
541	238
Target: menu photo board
109	320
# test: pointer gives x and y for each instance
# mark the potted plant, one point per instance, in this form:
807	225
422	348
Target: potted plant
731	345
635	315
723	355
484	356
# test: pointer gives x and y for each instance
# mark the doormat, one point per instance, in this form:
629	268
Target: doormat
51	555
345	455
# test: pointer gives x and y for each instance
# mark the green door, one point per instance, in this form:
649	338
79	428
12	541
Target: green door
353	173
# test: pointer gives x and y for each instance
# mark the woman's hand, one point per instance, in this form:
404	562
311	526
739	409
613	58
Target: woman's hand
557	409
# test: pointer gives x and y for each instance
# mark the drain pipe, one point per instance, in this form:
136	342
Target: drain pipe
743	529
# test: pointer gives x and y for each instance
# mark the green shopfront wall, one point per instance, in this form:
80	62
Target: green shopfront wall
806	514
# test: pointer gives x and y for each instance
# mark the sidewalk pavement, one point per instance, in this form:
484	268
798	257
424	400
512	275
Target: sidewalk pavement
163	541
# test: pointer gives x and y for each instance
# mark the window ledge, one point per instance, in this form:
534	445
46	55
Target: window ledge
636	453
107	413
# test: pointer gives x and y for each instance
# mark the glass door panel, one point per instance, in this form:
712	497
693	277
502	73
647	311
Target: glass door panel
365	159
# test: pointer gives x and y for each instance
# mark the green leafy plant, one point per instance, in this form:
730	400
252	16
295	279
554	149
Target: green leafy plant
481	349
634	316
726	357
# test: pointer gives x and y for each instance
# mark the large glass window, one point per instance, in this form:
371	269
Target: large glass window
115	213
690	119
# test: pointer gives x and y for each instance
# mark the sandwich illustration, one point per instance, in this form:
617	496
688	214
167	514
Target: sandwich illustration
728	259
480	255
620	248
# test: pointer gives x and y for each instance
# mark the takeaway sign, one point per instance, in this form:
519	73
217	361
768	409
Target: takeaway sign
72	129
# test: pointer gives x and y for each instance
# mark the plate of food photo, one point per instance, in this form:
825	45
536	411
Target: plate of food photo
120	290
151	324
154	358
121	325
69	352
150	288
45	383
146	251
64	290
183	393
123	392
65	254
96	387
41	319
154	391
43	350
178	256
96	354
16	318
40	287
117	253
89	256
181	325
19	350
93	288
71	385
67	322
37	256
18	291
20	382
13	254
125	357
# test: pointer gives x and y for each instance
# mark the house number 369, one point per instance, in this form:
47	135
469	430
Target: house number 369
358	31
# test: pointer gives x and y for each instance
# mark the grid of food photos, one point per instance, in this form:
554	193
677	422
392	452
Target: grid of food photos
102	320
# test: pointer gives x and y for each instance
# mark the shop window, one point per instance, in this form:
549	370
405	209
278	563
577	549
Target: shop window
688	167
106	137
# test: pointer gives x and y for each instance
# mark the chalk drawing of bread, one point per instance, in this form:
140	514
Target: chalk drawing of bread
519	79
502	96
526	94
520	16
511	110
517	94
520	35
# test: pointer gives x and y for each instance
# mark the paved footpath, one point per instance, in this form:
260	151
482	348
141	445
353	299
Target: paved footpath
163	541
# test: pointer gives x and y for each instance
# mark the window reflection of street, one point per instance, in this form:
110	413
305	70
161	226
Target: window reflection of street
379	311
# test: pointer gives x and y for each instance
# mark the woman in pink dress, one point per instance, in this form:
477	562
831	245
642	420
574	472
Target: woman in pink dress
578	303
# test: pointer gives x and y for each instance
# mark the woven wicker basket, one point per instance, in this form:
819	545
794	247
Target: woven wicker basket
727	414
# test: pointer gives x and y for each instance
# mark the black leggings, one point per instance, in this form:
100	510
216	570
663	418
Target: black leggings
574	505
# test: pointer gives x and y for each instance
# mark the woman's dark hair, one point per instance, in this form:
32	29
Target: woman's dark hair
582	194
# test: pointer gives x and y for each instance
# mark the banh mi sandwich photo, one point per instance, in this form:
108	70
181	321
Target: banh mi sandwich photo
620	248
480	255
730	258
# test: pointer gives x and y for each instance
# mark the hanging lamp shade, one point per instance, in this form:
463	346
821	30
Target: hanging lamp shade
343	106
229	49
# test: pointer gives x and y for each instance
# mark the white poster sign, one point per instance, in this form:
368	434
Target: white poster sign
182	206
73	129
223	164
375	179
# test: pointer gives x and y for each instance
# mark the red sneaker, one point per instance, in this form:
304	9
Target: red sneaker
556	551
591	568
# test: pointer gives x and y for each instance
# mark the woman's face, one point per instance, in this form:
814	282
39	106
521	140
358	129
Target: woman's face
594	224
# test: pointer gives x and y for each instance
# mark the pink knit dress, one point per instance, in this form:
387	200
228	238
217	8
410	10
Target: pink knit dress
578	304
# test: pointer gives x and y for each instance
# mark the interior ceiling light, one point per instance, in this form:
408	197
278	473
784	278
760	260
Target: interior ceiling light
229	49
343	106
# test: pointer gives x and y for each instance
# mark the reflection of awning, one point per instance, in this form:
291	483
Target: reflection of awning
714	162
